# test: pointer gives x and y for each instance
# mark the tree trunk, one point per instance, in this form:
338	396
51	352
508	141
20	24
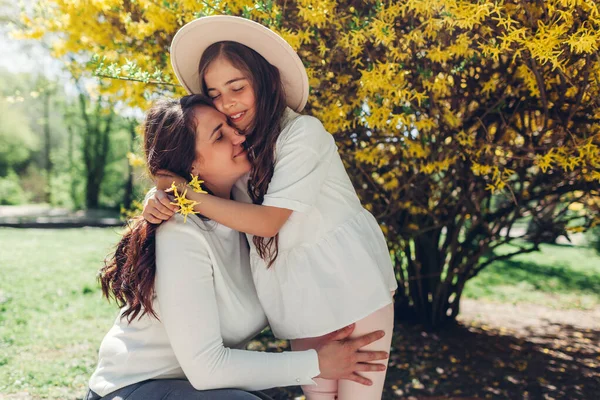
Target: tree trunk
95	146
435	282
47	145
128	197
543	226
92	191
73	185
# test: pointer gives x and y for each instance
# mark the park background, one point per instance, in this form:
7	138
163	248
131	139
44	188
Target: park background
469	128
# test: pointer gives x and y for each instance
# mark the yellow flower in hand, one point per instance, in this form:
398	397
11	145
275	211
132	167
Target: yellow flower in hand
195	184
186	206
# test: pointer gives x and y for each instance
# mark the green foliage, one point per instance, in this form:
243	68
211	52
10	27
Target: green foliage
130	71
17	141
594	238
24	146
117	168
436	107
11	192
61	194
33	180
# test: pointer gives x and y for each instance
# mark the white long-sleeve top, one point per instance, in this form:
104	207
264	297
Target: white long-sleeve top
208	308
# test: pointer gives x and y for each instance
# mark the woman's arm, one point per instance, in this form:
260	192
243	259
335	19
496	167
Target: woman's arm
188	309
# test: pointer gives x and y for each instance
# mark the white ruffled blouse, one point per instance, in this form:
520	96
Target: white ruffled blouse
333	266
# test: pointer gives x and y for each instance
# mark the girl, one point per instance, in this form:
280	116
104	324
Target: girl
319	260
186	292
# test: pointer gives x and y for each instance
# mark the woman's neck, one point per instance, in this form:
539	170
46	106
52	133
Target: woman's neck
223	190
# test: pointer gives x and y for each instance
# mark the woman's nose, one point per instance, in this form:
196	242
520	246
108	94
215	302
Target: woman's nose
236	138
239	139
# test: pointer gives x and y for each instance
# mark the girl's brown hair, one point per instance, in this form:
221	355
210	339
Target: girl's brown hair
169	144
262	135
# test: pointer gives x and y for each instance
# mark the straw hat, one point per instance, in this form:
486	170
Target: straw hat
193	38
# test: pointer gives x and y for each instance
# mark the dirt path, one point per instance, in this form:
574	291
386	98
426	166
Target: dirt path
522	318
45	217
501	351
496	351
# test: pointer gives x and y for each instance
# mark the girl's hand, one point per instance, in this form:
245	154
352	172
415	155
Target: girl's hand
341	358
158	208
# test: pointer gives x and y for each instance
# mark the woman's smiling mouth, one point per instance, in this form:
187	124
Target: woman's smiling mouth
242	151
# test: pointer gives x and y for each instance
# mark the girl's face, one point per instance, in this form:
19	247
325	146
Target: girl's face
231	91
220	157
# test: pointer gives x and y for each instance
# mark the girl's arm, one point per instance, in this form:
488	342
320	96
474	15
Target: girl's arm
265	221
157	206
258	220
302	163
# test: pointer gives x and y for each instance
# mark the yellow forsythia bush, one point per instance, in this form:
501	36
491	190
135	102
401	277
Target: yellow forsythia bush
454	118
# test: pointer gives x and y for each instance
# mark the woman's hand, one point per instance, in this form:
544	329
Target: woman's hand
341	358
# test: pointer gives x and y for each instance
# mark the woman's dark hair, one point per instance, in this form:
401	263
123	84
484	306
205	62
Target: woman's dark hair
170	144
262	135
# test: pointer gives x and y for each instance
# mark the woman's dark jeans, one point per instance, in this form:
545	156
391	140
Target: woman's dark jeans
173	389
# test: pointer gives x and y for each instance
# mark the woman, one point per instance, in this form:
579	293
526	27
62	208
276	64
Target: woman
185	288
319	260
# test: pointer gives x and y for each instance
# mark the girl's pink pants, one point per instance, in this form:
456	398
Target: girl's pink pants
325	389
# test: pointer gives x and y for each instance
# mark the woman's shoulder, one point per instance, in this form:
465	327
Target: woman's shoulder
184	229
183	246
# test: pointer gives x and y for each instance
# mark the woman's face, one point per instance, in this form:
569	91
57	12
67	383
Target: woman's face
231	91
220	157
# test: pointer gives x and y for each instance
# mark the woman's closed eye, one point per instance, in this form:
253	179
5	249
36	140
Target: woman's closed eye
239	89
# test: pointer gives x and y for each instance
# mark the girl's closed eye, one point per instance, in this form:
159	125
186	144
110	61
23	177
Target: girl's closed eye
239	89
219	137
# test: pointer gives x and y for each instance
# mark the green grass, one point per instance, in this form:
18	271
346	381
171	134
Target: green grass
558	276
52	316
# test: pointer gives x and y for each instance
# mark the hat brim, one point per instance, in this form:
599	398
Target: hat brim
195	37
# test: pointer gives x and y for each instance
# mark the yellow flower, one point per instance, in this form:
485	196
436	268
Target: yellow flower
195	184
135	160
490	187
186	206
544	162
